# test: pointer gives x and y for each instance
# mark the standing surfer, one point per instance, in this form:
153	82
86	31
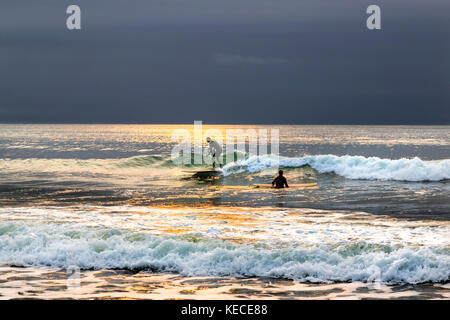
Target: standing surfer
215	150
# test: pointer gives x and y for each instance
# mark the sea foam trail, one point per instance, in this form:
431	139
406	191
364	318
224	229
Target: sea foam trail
351	167
55	245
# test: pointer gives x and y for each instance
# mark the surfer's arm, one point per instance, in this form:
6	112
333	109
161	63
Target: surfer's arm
285	183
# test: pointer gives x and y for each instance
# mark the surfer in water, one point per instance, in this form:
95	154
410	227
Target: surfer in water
215	150
280	181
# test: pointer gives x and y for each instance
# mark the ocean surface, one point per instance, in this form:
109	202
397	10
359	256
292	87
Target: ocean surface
109	197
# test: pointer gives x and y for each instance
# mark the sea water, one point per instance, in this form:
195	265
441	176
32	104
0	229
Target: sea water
104	197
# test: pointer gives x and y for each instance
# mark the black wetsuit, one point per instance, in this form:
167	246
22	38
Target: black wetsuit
280	182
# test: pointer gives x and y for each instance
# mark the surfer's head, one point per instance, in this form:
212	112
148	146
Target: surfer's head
208	139
280	172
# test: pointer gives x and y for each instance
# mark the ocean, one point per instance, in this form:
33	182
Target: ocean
108	202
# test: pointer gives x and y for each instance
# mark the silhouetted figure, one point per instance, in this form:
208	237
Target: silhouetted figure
280	181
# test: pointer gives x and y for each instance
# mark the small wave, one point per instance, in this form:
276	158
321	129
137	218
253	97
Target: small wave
144	161
27	244
351	167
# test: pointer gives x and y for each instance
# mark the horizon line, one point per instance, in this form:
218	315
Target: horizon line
233	124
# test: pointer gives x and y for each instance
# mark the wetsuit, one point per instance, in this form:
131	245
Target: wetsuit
215	150
280	182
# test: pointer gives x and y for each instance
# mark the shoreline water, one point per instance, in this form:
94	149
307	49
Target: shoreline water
106	284
300	244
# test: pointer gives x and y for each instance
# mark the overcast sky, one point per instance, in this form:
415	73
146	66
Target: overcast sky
227	61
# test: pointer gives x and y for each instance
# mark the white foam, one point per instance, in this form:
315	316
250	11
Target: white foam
63	245
352	167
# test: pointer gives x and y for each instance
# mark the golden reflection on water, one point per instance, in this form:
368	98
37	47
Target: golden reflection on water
244	221
122	285
423	135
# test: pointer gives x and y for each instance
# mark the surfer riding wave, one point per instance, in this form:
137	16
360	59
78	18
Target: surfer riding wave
215	150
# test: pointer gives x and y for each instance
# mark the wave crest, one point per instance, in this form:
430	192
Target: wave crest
351	167
26	244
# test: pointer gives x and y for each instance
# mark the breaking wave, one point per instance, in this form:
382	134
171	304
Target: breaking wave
55	245
351	167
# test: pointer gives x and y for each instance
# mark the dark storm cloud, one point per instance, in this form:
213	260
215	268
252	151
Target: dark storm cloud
246	61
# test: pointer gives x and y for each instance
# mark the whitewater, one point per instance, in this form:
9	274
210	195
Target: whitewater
351	167
313	246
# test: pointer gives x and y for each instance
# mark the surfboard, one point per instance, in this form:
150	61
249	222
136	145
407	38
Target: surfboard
303	185
204	173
